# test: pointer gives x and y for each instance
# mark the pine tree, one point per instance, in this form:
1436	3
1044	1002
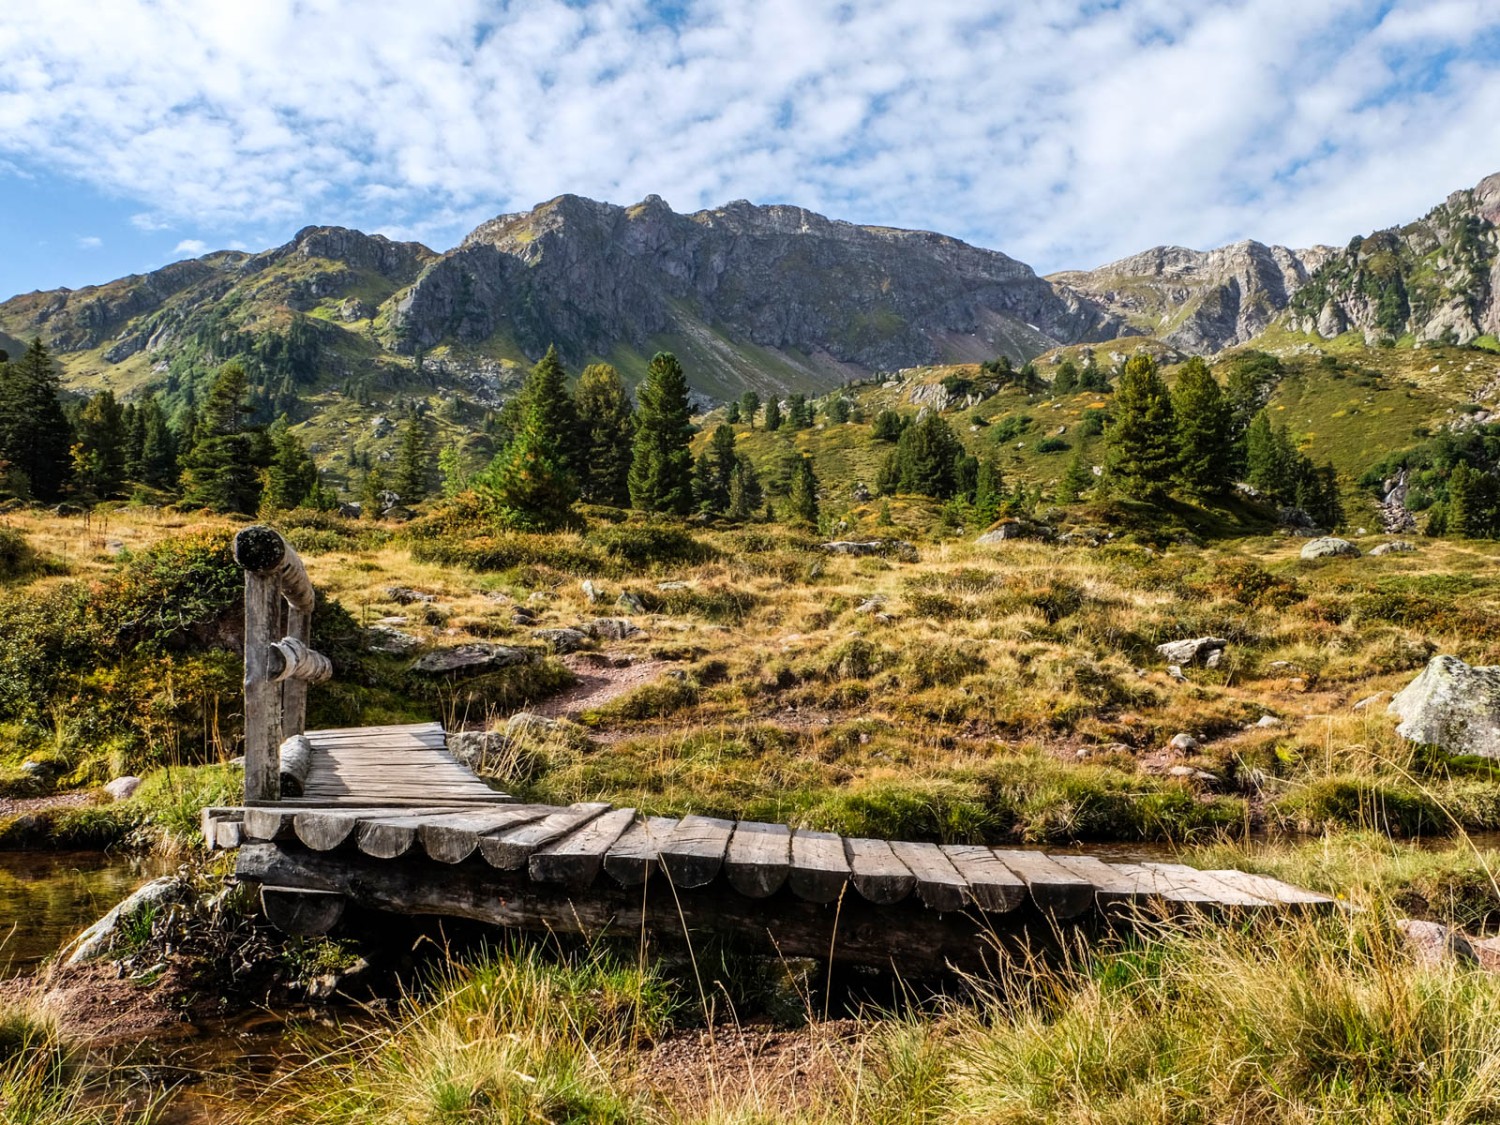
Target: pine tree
1141	450
838	410
221	469
924	461
527	484
661	469
292	475
35	438
452	471
749	405
714	472
133	442
1461	523
606	421
1203	428
1271	460
773	415
989	492
802	496
158	448
732	413
99	447
1065	382
888	426
1091	378
413	468
1076	480
745	493
798	417
550	411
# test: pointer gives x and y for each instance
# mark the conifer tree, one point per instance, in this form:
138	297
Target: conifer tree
1140	441
661	469
838	410
1065	382
1091	378
158	467
924	461
798	417
989	493
1203	430
749	405
452	471
527	484
802	495
133	442
221	469
551	411
773	414
1076	480
1271	460
292	476
35	438
887	426
732	412
745	493
99	447
413	467
606	421
714	472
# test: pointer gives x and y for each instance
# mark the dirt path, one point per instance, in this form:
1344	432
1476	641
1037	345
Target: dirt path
19	806
602	676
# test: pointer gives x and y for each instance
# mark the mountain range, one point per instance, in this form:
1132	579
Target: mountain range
771	297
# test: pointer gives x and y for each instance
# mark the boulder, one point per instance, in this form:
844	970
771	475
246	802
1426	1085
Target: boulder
898	547
122	788
1433	944
1011	529
479	657
472	748
629	603
563	640
610	628
98	938
524	723
405	595
1452	705
389	640
591	593
1394	546
1329	547
1183	743
1191	651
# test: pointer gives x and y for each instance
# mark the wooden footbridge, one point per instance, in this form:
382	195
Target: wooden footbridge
385	817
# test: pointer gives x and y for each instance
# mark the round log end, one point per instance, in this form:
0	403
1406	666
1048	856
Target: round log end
259	548
300	912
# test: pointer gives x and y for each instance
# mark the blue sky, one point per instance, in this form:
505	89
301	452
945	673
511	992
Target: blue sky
1067	134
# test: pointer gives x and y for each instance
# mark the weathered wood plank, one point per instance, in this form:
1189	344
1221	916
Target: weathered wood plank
1217	892
1276	891
758	858
262	696
876	872
577	858
454	838
995	888
694	853
820	869
1118	888
1054	889
939	884
509	850
634	856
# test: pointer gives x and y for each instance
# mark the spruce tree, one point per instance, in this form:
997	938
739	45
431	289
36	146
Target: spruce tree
714	472
606	422
133	443
221	470
1203	429
888	426
158	448
1076	480
528	485
745	493
292	475
35	438
732	412
749	405
1091	378
1271	460
989	493
926	460
798	417
99	449
413	468
802	495
1065	382
661	468
773	414
837	410
1141	441
1462	490
550	411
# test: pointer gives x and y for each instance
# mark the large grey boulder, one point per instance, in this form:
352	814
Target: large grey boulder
1452	705
479	657
563	640
1329	547
99	938
1191	651
122	788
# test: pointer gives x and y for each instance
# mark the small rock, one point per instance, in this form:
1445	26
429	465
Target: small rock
1433	944
122	788
591	592
479	657
1214	659
1265	722
1189	651
98	938
1281	665
1191	774
1393	547
1082	753
519	616
405	595
383	638
1329	547
610	628
1175	671
884	618
524	723
1370	701
473	748
539	597
563	640
672	586
629	603
1183	743
870	605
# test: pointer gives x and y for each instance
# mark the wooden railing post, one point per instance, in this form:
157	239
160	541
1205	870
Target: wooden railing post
278	662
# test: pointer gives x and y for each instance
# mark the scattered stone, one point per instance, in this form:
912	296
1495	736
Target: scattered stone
1082	753
1214	659
1191	774
1183	743
393	642
519	615
1191	651
1329	547
1266	722
1370	701
1011	529
524	724
473	748
563	640
898	547
1393	547
870	605
1175	671
611	629
98	938
1433	944
1281	665
884	618
860	493
405	595
123	788
591	592
479	657
539	597
1452	705
39	769
629	603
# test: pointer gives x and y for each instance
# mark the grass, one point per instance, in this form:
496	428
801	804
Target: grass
43	1080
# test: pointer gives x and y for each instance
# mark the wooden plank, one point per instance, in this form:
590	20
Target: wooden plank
632	858
876	872
1118	888
1220	893
509	850
758	858
1055	890
940	886
995	888
1275	890
324	829
454	838
694	853
576	860
262	697
820	869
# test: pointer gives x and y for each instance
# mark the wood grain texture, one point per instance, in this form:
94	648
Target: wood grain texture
634	856
877	873
1057	891
820	869
510	850
939	884
694	853
758	858
995	888
576	859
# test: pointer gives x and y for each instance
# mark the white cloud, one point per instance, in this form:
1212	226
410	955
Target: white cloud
192	246
89	242
1066	133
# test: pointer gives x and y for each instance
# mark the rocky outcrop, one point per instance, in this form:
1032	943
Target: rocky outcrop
474	658
1208	650
1330	547
1452	705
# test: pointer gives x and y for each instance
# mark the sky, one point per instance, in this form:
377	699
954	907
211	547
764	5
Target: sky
1067	134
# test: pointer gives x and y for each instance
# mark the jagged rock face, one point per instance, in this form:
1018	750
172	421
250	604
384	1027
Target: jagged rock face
1198	301
1452	705
590	275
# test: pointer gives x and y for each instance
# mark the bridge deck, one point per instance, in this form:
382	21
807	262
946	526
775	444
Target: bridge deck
392	821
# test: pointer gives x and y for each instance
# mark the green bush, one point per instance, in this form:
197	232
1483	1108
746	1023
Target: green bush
648	544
